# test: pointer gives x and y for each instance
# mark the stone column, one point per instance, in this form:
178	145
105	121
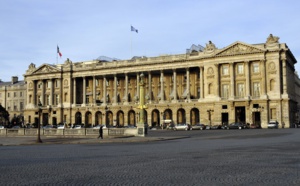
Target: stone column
188	96
175	85
126	89
34	96
201	82
263	75
94	90
284	76
51	92
162	86
104	90
150	87
217	81
137	85
232	83
84	90
43	93
115	90
247	75
74	91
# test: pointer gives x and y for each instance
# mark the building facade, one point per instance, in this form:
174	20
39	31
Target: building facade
13	98
250	83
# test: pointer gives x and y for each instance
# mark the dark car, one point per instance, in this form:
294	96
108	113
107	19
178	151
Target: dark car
236	125
213	127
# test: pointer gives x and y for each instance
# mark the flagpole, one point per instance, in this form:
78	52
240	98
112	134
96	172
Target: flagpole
130	44
57	54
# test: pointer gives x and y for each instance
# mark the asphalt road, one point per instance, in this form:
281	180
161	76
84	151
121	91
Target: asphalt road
217	157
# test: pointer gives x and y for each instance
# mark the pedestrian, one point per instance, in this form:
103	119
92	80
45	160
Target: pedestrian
101	132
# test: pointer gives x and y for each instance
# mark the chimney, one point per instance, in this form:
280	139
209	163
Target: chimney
14	79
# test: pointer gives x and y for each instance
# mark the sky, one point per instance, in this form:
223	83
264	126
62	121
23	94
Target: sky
31	30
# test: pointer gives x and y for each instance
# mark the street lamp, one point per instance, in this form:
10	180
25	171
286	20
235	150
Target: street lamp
106	117
209	115
38	140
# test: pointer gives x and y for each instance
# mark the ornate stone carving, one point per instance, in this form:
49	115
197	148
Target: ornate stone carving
239	49
272	66
210	71
31	68
68	62
210	47
45	69
272	39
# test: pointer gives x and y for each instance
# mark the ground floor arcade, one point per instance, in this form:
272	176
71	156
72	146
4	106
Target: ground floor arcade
220	113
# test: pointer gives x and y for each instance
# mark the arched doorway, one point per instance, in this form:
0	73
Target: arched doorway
167	114
131	118
98	118
155	118
88	119
78	118
181	116
194	116
120	119
109	118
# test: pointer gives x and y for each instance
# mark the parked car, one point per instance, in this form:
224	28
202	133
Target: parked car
213	127
273	125
47	127
1	127
198	127
182	126
235	125
77	127
61	126
255	126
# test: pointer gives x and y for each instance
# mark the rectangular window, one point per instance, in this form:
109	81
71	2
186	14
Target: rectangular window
225	91
225	70
49	84
240	68
21	94
255	67
15	94
256	89
21	106
87	83
8	94
56	99
240	90
87	99
47	99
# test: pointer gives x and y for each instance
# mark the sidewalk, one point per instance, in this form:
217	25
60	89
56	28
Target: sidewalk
31	140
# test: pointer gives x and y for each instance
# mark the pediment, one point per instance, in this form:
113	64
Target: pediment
46	68
238	48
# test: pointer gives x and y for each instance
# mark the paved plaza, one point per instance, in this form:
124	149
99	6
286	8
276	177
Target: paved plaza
217	157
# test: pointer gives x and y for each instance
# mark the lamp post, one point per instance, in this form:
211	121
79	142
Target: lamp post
106	117
142	130
38	140
209	115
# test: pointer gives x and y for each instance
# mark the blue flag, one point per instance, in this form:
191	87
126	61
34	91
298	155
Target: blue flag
134	30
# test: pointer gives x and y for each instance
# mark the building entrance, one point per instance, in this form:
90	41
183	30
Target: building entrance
256	119
240	114
224	118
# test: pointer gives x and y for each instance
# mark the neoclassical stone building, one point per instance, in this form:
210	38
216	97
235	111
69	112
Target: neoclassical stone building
251	83
13	98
